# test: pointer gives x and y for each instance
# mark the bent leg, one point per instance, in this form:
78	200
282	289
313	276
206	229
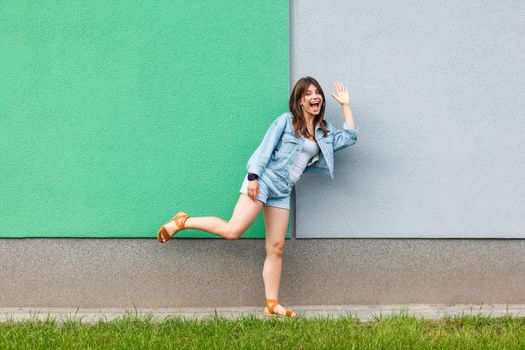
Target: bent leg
244	214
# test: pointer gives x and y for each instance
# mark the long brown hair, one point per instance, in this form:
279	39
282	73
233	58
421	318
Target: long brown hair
298	120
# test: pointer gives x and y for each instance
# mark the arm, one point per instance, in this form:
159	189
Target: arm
344	138
260	157
349	118
347	136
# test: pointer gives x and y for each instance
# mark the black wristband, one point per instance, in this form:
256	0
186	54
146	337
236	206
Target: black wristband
252	176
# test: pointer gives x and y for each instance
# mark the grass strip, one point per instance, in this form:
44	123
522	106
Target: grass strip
395	331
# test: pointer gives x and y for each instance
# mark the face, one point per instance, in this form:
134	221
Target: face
312	100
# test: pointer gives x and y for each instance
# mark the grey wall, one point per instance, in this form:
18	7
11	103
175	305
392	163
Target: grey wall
437	92
210	272
104	273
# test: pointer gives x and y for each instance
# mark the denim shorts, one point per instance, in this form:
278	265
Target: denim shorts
270	194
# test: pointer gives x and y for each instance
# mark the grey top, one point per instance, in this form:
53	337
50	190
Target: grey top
310	149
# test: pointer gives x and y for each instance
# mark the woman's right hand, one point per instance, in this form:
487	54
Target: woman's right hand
253	189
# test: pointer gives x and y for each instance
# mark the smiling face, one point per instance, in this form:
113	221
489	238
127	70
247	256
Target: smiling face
307	104
312	100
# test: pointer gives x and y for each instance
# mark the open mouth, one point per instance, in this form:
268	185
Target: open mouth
315	105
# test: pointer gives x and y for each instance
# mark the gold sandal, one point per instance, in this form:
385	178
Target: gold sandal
180	220
269	310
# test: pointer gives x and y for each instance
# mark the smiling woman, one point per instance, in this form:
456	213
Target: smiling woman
297	141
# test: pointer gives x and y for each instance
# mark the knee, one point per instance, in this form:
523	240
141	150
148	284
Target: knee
275	248
233	233
231	237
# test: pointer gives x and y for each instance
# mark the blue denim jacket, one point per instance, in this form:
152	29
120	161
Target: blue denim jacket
280	147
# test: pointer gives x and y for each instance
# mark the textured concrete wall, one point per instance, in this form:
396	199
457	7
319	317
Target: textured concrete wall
141	272
93	273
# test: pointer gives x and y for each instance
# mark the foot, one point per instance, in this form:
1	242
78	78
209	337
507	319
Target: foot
169	229
278	310
172	229
281	310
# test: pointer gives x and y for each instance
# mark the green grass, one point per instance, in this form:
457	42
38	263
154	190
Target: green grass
399	331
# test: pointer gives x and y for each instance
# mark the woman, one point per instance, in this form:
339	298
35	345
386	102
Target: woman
297	141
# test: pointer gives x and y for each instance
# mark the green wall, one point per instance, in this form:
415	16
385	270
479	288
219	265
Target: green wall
115	115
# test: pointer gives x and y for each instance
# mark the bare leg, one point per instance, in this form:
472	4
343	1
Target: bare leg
276	222
244	214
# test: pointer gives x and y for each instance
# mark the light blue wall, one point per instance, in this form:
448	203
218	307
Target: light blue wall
437	92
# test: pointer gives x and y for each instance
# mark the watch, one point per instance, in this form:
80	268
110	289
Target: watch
252	176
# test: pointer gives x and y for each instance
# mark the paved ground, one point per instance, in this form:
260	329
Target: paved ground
362	312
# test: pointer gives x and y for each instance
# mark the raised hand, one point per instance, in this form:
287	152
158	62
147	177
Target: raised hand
342	94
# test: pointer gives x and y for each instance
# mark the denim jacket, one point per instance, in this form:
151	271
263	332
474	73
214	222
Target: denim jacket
280	148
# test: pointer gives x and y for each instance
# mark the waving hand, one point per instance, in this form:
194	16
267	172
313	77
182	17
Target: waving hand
342	94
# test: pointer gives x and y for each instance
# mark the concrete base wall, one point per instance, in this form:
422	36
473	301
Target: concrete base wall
96	273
